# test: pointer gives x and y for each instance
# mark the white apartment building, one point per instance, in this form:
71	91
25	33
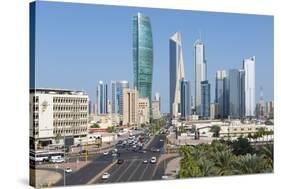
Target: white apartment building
57	113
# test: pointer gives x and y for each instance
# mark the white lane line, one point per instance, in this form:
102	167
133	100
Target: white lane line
132	163
115	171
144	170
136	169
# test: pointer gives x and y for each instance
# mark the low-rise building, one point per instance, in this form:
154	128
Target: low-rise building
56	114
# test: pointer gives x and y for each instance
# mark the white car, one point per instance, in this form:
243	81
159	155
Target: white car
114	154
153	160
165	177
105	176
68	170
105	153
145	161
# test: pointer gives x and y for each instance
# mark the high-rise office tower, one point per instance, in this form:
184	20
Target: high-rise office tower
200	72
156	106
234	93
205	99
116	95
176	73
242	93
142	55
250	101
130	107
185	104
102	98
221	93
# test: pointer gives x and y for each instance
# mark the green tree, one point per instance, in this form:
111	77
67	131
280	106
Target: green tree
111	129
95	125
242	146
249	164
215	129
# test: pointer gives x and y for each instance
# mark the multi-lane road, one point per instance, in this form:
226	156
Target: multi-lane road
132	169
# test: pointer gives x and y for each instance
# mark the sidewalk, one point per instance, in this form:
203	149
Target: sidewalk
172	166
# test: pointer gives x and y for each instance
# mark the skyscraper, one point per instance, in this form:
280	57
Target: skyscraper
102	98
221	93
116	95
185	104
142	55
242	93
205	99
176	73
234	93
250	101
156	106
200	72
130	107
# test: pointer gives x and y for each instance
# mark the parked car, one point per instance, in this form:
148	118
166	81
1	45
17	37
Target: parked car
68	170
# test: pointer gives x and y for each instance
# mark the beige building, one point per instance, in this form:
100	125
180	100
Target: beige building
130	107
57	113
214	110
156	114
143	109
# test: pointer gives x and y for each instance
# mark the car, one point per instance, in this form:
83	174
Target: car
145	161
161	140
68	170
165	177
114	154
120	161
105	153
153	160
105	176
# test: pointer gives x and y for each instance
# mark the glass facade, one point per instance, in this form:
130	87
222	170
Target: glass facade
142	55
234	93
205	99
185	99
117	95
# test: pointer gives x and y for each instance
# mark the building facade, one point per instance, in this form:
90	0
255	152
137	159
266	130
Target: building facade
156	106
102	98
200	72
250	101
205	99
143	109
142	55
130	107
176	73
234	93
185	104
221	93
116	96
57	113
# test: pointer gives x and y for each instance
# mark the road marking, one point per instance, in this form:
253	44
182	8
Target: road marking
132	163
144	170
136	169
114	172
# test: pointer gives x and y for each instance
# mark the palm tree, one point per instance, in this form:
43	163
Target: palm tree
224	161
249	164
207	167
267	153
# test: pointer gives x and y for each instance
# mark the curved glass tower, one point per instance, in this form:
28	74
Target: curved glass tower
142	55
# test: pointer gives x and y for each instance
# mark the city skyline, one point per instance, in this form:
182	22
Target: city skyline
58	62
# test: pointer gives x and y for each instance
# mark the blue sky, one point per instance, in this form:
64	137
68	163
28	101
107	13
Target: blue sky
79	44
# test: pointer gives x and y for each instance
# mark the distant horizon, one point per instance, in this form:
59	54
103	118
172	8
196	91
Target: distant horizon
78	45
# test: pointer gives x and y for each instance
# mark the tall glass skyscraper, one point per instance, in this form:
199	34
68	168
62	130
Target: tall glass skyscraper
176	73
234	93
200	72
205	99
116	95
221	93
250	100
185	104
142	55
102	98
